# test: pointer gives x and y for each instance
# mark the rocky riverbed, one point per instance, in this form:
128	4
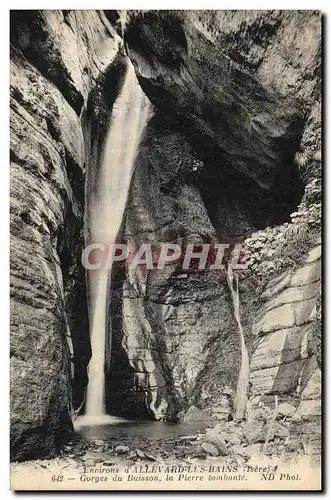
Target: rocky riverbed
265	437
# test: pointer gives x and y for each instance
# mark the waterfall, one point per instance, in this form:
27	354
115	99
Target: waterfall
106	204
240	402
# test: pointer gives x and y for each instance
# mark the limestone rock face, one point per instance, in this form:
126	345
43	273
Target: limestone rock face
286	361
284	325
240	91
55	58
69	48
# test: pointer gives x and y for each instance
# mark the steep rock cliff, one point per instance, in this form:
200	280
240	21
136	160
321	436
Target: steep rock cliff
56	58
163	346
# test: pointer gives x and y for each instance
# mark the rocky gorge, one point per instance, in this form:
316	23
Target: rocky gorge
231	153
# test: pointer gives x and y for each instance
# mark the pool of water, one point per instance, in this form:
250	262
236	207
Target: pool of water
113	427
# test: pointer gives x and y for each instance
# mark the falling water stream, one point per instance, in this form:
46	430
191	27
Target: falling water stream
240	402
106	205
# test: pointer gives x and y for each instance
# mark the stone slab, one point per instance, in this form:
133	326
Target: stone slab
314	254
306	274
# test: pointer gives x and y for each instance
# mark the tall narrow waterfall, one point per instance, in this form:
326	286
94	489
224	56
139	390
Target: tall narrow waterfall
106	207
240	402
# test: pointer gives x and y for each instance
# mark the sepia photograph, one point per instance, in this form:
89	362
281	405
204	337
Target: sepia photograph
165	250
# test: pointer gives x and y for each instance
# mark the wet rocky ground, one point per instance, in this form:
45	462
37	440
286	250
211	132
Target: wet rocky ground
264	436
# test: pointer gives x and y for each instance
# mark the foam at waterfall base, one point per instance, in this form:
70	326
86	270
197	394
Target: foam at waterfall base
93	420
